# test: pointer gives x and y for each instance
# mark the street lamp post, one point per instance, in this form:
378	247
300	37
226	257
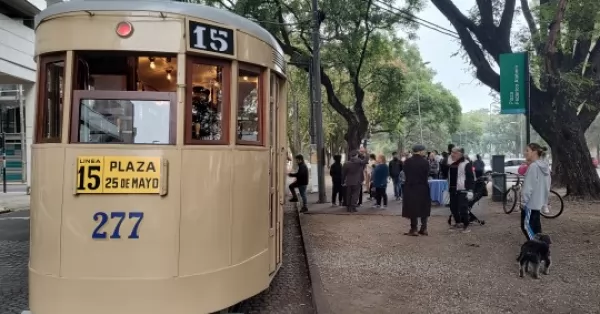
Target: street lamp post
490	128
520	146
419	100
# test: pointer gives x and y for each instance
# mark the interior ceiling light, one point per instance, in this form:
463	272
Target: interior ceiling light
152	64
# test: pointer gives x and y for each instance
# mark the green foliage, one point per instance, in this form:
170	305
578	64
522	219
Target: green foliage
370	76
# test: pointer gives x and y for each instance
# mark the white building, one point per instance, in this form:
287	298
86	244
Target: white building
17	71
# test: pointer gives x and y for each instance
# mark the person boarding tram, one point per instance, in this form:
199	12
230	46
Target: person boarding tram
301	183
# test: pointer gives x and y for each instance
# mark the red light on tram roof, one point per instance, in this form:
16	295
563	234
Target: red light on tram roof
124	29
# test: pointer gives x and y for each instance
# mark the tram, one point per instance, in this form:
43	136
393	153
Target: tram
158	161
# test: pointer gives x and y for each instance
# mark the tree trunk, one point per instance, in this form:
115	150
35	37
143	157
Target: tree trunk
571	160
353	136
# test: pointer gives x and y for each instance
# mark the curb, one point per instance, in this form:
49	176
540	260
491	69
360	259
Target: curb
319	299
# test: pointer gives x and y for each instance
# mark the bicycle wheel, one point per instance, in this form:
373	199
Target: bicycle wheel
555	206
509	201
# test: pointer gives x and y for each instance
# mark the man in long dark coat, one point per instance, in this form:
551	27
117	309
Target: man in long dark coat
353	177
417	200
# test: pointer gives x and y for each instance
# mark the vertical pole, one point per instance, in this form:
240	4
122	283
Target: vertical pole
419	107
23	138
490	131
311	90
527	100
3	112
296	123
316	61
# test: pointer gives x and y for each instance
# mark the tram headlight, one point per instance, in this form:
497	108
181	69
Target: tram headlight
124	29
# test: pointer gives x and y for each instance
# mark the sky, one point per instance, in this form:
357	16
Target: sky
452	72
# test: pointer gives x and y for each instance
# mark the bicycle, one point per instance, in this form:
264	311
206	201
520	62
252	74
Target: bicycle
513	196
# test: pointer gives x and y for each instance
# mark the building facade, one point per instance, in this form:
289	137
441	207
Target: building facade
17	83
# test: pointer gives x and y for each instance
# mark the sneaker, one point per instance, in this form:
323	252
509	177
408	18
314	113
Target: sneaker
546	209
333	204
376	206
304	209
294	200
466	230
384	206
457	226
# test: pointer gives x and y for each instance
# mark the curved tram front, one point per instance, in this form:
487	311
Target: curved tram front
158	159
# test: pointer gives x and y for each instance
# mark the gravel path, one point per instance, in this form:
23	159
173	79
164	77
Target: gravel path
368	266
290	290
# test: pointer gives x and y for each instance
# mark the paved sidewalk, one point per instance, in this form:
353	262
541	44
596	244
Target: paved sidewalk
13	202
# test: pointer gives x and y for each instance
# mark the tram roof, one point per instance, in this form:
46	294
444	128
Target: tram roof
190	9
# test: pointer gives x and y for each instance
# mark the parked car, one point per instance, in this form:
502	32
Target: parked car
510	165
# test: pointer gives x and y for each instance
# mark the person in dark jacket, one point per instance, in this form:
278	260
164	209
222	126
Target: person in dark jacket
352	177
380	178
479	166
335	171
301	182
461	181
395	168
416	203
445	164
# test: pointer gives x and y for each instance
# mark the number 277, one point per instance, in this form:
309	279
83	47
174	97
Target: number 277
102	219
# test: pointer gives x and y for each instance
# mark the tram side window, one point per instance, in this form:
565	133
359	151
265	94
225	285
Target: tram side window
207	113
250	106
124	98
50	104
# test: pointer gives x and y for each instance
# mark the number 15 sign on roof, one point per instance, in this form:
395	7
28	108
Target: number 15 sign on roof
120	175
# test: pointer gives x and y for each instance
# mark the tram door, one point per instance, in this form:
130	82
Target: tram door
274	178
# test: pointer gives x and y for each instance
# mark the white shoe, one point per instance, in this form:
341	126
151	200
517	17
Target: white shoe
546	209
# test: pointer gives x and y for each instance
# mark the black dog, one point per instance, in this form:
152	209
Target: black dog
534	252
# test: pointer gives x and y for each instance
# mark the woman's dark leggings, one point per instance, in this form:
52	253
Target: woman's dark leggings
530	222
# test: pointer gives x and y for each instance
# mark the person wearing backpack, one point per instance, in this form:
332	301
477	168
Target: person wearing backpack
395	167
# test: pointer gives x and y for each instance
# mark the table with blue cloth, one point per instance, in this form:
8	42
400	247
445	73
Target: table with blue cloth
436	190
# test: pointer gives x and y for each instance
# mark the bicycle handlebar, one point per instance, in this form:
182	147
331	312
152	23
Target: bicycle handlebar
512	173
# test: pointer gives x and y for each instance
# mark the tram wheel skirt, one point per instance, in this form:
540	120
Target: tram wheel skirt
203	293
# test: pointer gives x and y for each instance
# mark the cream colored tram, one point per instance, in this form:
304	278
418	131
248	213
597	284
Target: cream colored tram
158	160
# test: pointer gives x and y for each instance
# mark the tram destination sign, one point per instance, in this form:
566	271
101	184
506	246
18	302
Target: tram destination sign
118	175
210	38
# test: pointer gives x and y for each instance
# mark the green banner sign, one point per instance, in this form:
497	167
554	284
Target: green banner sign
513	92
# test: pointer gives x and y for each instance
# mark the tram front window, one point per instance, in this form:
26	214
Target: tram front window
206	119
124	121
249	112
52	70
124	98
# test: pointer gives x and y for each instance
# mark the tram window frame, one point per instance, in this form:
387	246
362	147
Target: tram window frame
42	106
225	102
79	95
260	107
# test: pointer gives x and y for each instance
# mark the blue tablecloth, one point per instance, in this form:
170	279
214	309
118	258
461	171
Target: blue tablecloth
436	190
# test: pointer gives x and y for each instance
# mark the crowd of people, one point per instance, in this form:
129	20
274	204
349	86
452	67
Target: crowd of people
410	175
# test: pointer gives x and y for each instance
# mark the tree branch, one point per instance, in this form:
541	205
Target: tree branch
533	29
550	49
506	20
365	43
462	24
486	11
